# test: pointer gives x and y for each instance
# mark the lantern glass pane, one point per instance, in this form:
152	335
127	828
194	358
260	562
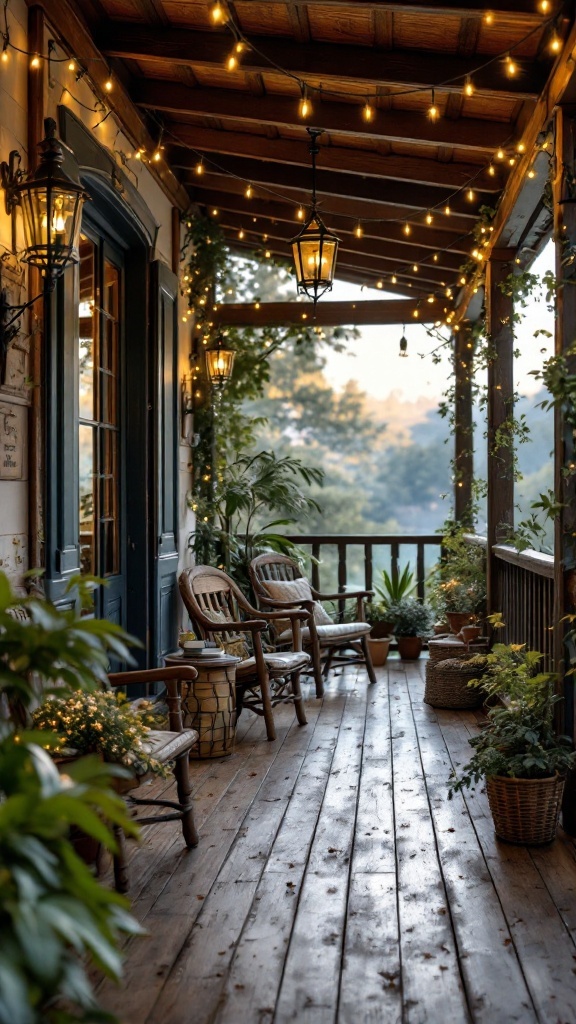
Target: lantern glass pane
219	363
51	224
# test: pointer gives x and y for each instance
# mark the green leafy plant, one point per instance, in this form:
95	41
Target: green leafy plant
519	740
103	722
410	617
55	919
396	586
458	581
228	531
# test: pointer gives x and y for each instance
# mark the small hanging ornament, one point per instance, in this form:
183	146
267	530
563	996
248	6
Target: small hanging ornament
403	344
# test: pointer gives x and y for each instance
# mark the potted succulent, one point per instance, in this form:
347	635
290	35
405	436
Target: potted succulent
393	588
519	755
412	623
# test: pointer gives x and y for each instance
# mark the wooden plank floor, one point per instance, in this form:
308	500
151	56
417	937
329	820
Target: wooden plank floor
334	882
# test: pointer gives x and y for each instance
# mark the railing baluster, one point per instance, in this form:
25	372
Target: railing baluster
368	567
394	556
420	570
342	574
315	565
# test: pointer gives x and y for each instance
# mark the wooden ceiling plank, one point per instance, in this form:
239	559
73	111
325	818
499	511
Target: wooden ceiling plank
67	25
522	10
345	118
407	197
451	249
411	68
153	11
326	314
299	22
290	152
351	206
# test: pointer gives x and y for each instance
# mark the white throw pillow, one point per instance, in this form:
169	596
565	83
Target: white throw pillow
296	591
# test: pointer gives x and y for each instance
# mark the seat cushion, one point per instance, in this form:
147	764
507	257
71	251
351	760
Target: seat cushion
165	746
277	663
336	632
294	590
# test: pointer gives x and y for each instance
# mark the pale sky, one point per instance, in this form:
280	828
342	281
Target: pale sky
373	360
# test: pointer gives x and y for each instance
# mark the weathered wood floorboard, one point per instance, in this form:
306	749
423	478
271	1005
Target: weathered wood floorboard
334	883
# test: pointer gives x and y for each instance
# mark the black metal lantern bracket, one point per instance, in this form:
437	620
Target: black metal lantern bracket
55	259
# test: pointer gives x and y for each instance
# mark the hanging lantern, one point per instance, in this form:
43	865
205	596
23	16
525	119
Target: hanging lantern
315	247
51	202
219	364
403	344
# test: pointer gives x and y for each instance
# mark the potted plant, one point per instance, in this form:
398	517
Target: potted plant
457	588
393	588
518	753
55	918
412	622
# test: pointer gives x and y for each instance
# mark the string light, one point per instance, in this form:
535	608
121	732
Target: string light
231	62
394	279
531	173
500	154
108	85
470	196
489	18
511	67
436	257
300	213
468	86
358	230
429	217
544	6
491	170
415	268
241	234
407	229
305	108
72	66
249	192
218	13
447	210
35	62
433	112
379	284
521	148
368	111
555	43
4	57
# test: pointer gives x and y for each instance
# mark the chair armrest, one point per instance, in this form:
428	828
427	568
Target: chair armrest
290	613
274	603
344	596
172	675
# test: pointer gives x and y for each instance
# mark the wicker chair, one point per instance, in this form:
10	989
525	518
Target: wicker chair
215	605
273	575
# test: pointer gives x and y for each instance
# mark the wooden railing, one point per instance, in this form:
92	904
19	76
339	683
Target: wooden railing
525	595
427	549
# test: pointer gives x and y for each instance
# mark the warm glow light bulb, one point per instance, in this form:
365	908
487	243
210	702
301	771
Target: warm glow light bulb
429	217
433	112
232	62
305	108
468	87
489	18
511	67
470	195
218	13
72	66
4	57
248	192
531	173
415	268
368	111
447	210
407	229
555	43
491	170
435	257
544	6
35	62
156	156
394	279
300	213
358	230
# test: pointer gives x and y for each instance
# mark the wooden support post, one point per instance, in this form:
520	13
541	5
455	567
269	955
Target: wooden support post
499	313
36	459
564	442
463	427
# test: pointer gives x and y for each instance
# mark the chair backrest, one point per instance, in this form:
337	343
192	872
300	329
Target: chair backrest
271	566
209	594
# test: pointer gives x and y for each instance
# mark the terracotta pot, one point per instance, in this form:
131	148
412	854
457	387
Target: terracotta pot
470	633
378	648
409	647
459	619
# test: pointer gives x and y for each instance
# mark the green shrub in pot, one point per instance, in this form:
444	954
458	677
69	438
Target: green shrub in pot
412	622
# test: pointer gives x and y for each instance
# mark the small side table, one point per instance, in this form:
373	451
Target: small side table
209	702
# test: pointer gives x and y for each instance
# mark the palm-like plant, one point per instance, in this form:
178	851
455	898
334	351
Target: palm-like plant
233	527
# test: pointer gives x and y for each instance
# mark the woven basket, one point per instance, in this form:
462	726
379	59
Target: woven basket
525	810
446	647
447	685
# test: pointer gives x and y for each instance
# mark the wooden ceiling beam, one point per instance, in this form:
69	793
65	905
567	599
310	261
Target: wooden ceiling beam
422	237
516	10
326	314
319	61
345	118
220	186
67	26
405	196
291	152
367	244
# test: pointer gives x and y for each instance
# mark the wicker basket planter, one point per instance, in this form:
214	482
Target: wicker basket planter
447	685
525	811
446	647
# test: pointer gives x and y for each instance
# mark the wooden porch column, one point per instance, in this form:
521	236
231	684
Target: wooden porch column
499	310
463	426
564	443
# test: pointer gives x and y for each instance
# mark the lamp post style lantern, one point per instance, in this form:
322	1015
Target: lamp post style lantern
219	364
51	202
315	247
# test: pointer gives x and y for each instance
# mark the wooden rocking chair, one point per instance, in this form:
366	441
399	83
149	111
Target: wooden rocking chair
215	605
278	583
